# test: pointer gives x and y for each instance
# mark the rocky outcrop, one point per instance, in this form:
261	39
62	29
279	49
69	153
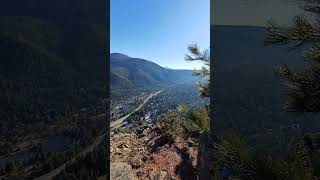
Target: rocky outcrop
153	155
121	171
162	175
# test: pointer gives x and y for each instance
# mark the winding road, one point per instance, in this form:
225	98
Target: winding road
117	123
56	171
113	124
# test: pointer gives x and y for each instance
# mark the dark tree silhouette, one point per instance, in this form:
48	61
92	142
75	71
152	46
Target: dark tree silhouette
302	86
233	158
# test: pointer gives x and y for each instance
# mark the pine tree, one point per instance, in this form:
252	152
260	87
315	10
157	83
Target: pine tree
302	95
195	54
302	86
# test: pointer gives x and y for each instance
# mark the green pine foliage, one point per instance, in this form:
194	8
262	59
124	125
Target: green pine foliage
303	85
194	122
235	156
302	95
195	54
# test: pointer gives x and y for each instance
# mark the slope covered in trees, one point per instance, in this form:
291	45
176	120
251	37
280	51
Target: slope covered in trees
134	72
159	141
53	80
47	62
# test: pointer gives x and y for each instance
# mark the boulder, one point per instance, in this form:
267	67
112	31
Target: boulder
121	171
162	175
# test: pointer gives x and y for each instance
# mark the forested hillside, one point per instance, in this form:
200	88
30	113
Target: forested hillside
48	62
135	72
53	81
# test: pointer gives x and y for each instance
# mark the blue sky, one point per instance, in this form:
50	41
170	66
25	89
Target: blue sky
159	30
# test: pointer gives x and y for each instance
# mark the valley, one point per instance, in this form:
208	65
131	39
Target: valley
121	121
55	144
53	98
135	136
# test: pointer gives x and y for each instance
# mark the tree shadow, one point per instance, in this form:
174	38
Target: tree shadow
161	141
185	169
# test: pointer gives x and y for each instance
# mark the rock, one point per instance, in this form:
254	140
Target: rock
139	131
136	162
121	171
148	155
145	158
162	175
141	135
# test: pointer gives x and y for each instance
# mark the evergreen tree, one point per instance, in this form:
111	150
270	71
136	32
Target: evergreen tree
197	121
195	54
302	86
302	95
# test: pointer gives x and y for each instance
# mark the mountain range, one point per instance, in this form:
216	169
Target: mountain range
136	72
52	57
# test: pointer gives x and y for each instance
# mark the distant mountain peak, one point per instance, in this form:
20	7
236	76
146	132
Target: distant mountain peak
119	56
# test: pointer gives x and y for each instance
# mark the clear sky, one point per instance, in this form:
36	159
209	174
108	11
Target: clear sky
159	30
254	12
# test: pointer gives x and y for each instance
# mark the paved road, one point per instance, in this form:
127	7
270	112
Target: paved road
88	149
117	123
98	140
